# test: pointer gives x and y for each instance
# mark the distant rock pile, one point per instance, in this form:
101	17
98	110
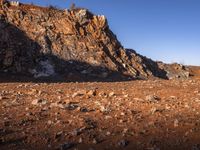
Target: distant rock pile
74	44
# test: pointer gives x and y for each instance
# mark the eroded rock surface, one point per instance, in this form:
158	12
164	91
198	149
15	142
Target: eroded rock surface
74	43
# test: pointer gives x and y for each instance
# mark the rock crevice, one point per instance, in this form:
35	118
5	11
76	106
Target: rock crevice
74	42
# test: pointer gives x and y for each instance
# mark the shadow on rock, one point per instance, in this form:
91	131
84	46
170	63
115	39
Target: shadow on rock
21	60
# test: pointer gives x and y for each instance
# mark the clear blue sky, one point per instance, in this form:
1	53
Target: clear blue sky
167	30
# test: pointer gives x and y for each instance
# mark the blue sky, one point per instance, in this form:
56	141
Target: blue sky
167	30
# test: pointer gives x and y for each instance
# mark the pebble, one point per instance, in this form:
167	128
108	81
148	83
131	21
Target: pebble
153	110
40	92
49	122
91	93
3	98
71	106
126	96
80	140
94	141
152	98
58	134
76	132
123	143
111	94
103	94
32	92
108	133
83	109
39	102
104	109
176	123
67	146
79	93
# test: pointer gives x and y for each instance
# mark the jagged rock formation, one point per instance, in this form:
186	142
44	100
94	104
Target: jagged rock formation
46	41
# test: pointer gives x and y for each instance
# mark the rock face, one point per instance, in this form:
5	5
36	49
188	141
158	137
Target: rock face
38	42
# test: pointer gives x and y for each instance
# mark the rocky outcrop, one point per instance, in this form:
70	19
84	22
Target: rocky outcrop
175	70
40	42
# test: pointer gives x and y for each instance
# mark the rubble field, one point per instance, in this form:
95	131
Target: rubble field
151	114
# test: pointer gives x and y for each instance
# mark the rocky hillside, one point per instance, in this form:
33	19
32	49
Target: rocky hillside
74	44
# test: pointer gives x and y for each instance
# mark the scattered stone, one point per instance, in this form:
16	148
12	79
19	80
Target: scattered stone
71	106
53	105
176	123
111	94
84	109
49	122
196	91
122	114
32	92
78	94
76	132
104	109
3	97
58	134
173	97
80	140
40	93
108	133
94	141
91	93
90	124
125	131
152	98
62	106
121	120
29	114
197	100
103	94
126	96
123	143
186	106
153	110
67	146
39	102
108	117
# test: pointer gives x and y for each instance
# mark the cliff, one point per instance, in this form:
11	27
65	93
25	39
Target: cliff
43	42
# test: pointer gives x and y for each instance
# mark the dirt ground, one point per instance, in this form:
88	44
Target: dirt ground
149	115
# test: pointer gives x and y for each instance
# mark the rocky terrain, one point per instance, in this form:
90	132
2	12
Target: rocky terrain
73	44
57	89
150	115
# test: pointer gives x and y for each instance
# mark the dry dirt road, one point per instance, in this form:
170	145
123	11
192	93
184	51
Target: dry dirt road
146	115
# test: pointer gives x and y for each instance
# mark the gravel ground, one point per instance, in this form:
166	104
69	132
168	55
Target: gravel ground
152	115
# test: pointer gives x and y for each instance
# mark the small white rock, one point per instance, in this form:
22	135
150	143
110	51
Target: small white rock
176	123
